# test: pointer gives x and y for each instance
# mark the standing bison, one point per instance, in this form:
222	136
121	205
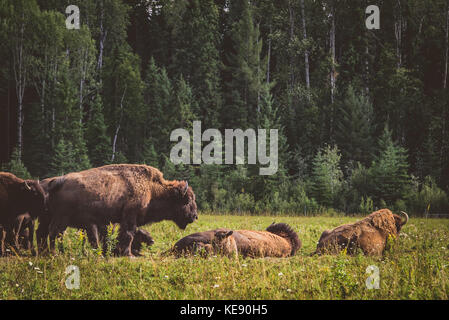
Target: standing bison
370	234
132	195
18	197
279	240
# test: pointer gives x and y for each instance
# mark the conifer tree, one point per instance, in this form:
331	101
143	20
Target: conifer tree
98	142
389	170
354	129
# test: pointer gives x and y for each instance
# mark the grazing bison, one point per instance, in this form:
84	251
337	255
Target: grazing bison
370	234
18	197
132	195
279	240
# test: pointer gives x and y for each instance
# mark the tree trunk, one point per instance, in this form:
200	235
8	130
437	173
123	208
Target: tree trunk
292	36
306	52
102	40
269	56
367	67
114	144
332	52
20	75
399	28
447	48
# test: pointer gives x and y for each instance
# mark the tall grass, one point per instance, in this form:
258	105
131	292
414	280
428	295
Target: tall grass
415	267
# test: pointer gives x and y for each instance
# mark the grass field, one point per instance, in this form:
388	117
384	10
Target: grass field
416	267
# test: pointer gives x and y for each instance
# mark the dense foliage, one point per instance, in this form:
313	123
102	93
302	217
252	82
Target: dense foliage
363	115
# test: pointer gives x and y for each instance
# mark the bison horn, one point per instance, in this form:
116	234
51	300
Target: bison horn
406	216
185	189
27	186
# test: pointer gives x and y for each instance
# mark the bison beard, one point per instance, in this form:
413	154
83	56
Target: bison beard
18	197
131	195
279	240
370	234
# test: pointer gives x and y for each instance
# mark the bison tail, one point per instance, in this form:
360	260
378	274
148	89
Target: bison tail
285	231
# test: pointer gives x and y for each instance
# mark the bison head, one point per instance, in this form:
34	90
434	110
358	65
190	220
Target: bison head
399	221
185	210
34	196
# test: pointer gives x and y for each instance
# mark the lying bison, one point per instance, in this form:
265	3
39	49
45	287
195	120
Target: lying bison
279	240
370	234
18	197
132	195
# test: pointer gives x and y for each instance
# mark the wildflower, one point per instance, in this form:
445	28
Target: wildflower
244	265
216	286
280	274
30	263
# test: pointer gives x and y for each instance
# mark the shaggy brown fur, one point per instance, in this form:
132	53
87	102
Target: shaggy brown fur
132	195
370	234
278	241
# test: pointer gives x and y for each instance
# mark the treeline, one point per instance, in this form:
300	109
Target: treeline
363	115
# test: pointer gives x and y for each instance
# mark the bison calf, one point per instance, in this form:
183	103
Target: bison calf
19	235
370	234
279	240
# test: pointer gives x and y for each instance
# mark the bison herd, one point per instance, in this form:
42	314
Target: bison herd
132	196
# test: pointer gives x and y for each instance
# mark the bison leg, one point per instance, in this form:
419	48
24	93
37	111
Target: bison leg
103	235
2	242
8	239
42	233
126	237
57	229
92	235
30	239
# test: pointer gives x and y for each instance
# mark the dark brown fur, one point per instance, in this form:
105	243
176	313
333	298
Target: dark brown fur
370	234
141	237
132	195
18	197
21	235
278	241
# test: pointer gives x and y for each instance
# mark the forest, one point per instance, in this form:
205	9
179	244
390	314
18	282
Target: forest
362	115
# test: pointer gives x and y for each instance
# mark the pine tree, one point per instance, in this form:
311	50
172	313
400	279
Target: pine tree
16	166
389	171
327	175
184	104
98	142
63	160
158	99
149	154
354	129
244	72
196	39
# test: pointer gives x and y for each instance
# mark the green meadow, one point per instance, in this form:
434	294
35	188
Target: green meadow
415	267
